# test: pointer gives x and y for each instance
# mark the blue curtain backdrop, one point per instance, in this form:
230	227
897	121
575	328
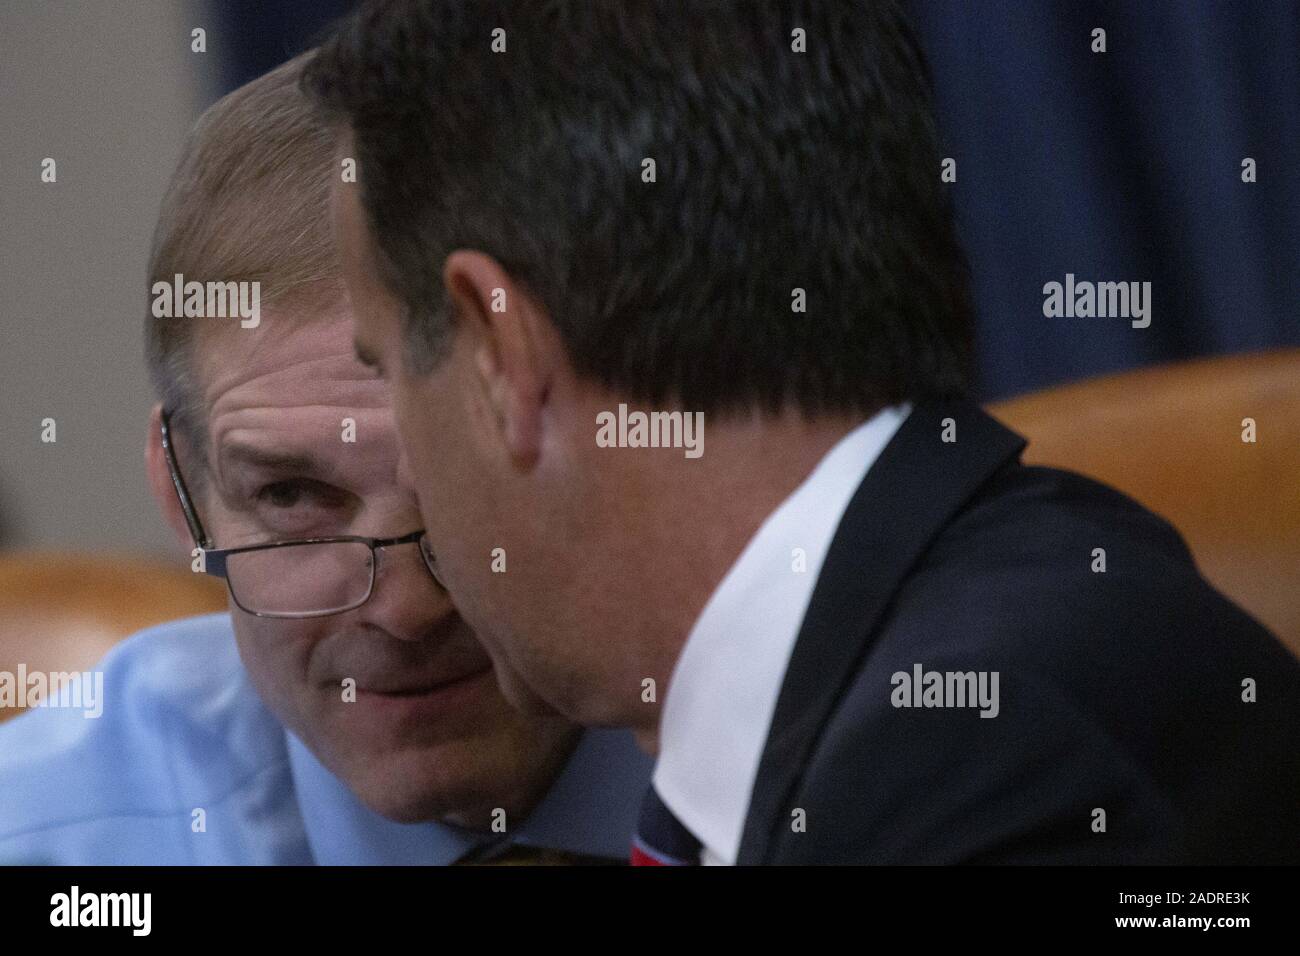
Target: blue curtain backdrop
268	32
1124	165
1115	166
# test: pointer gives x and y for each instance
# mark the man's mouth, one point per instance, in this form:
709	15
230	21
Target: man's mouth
406	688
425	707
441	712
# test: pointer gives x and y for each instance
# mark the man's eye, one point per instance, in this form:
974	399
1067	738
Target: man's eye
300	507
283	494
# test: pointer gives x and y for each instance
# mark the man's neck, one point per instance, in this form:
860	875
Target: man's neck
691	519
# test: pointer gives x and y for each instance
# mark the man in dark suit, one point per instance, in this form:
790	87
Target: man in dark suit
1140	716
676	324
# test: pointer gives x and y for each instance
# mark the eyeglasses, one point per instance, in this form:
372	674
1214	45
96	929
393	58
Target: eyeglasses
310	577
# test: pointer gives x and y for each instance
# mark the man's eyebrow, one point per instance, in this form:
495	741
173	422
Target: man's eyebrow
267	460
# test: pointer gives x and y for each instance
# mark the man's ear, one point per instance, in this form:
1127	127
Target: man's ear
512	343
160	481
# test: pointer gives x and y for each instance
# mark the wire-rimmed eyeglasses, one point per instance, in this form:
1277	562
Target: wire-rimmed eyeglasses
308	577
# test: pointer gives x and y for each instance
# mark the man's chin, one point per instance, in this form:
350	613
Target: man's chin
522	697
420	807
449	783
462	779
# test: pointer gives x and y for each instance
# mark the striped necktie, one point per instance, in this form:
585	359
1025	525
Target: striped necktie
660	839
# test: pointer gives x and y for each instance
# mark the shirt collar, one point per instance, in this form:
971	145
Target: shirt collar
590	809
725	685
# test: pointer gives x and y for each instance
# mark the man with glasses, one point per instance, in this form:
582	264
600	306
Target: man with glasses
295	578
342	712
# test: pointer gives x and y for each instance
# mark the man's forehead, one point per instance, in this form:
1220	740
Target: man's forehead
349	222
326	441
286	358
359	259
301	384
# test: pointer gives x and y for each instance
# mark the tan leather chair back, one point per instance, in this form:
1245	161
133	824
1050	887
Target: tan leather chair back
61	613
1171	437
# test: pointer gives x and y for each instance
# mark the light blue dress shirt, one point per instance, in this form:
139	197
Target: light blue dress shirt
183	730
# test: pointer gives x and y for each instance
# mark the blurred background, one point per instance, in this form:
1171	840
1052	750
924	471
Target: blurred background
108	88
1123	166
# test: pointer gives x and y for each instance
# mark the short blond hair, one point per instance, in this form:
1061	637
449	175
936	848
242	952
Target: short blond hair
249	201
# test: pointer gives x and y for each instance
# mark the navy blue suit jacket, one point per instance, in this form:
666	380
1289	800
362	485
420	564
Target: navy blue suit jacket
1121	734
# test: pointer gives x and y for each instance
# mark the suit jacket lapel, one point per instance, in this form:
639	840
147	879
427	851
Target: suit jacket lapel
914	488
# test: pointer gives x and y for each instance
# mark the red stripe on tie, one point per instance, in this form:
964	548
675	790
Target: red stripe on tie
640	857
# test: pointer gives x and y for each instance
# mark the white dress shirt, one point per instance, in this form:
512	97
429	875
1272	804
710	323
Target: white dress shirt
725	685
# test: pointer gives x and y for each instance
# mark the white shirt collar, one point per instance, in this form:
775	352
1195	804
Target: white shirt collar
725	685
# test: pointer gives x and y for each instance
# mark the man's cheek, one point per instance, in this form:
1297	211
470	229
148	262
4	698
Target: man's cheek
418	425
277	654
405	407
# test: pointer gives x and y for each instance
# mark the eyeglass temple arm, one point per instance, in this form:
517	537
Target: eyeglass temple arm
182	493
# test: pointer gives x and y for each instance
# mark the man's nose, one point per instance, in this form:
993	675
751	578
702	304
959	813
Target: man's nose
406	602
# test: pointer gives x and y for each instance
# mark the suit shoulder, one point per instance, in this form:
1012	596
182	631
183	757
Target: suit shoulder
1047	513
1042	559
1138	656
